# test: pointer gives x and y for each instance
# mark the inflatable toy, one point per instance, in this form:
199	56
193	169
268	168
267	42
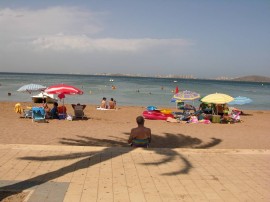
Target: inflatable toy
166	111
156	115
151	108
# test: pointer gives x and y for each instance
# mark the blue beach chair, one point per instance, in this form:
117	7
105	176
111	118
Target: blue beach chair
140	143
38	114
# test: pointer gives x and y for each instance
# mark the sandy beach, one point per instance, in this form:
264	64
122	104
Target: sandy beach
112	127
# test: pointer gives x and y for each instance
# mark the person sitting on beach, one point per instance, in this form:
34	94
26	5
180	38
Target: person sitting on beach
225	109
219	109
54	111
47	110
112	104
78	106
104	103
140	136
205	108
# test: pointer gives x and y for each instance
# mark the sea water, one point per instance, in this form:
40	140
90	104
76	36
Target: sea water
133	91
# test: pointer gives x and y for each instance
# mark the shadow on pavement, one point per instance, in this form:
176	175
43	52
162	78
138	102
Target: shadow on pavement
92	158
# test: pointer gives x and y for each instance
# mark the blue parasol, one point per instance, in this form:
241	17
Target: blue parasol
240	101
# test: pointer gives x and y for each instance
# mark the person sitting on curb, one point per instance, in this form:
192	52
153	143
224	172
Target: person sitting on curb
140	136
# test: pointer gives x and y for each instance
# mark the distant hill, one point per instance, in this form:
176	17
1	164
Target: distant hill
253	78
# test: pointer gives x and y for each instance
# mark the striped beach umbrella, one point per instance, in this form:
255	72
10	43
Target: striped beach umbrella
63	89
185	96
29	88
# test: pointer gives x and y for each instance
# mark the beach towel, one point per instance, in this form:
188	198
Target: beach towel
18	108
172	120
205	121
99	108
193	119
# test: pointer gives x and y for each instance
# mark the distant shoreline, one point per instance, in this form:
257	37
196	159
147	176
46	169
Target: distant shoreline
254	78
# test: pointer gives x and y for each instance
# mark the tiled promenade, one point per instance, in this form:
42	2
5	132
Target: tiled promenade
69	173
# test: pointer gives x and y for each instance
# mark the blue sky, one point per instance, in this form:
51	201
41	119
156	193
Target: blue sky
206	39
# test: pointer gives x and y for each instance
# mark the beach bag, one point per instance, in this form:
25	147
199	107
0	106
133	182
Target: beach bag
69	117
193	119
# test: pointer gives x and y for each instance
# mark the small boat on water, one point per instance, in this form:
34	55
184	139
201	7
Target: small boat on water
49	98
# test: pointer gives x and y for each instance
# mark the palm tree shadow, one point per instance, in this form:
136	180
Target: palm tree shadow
181	141
170	141
92	158
177	141
89	159
91	141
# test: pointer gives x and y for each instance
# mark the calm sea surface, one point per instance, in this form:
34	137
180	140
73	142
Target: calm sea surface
152	91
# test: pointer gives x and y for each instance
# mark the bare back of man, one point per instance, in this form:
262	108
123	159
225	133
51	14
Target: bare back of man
141	132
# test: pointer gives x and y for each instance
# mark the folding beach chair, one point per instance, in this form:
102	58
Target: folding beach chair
27	113
140	143
78	111
38	114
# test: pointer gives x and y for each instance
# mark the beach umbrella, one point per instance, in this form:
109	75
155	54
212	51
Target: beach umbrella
217	98
240	101
29	88
185	96
63	89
